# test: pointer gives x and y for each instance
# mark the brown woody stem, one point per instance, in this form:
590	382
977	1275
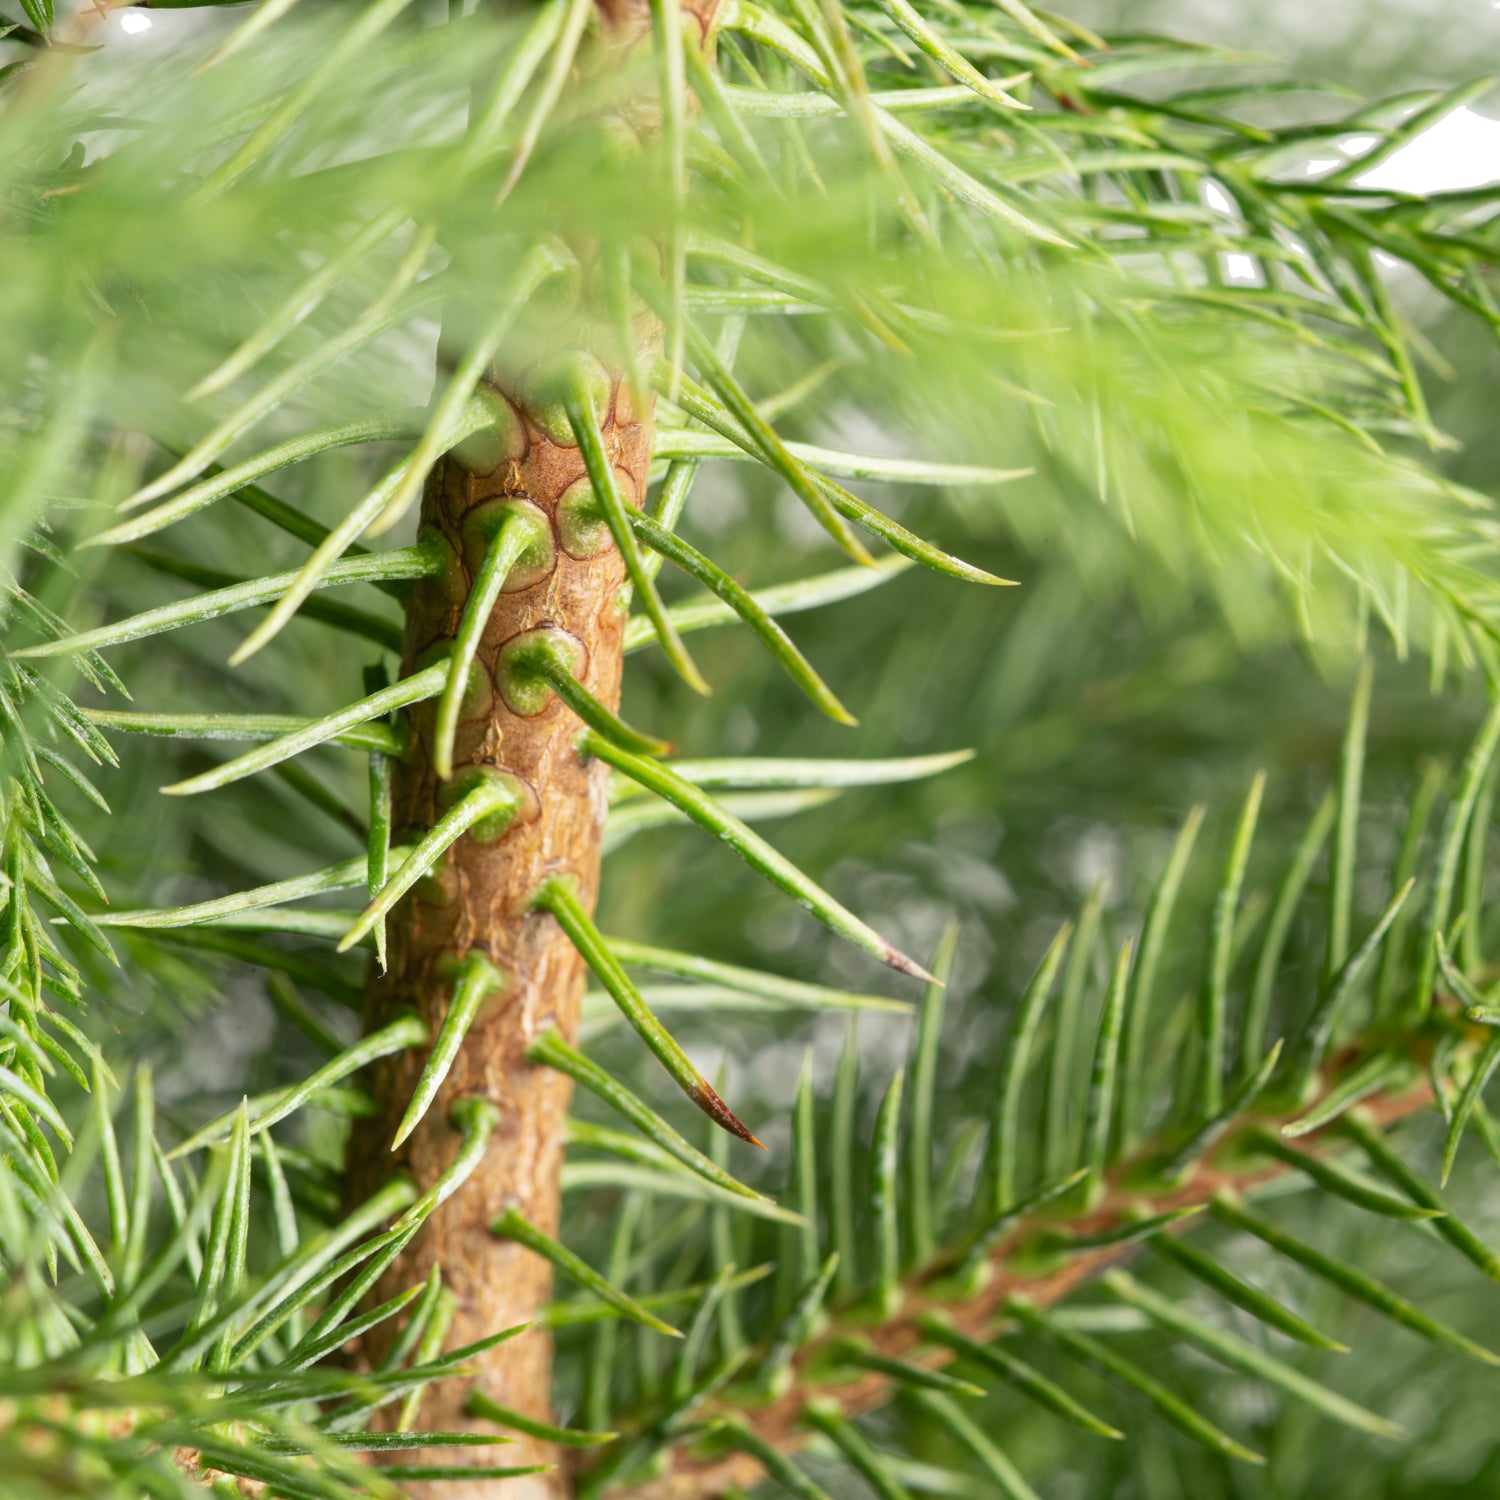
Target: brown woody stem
480	898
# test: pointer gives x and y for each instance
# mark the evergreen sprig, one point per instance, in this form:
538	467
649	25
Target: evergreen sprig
1091	269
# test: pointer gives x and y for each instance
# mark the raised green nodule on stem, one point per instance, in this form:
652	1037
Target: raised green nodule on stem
483	802
534	667
516	539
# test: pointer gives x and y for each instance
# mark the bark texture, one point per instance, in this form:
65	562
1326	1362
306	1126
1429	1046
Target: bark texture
480	899
480	896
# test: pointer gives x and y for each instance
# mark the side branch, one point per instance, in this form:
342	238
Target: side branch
785	1423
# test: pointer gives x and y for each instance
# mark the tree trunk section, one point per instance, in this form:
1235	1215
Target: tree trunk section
480	898
480	895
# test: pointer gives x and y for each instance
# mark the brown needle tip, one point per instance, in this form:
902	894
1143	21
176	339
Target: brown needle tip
707	1099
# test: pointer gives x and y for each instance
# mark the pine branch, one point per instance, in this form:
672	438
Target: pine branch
782	1425
1031	261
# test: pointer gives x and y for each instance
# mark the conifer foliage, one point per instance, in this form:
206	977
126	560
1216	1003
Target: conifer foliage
428	363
